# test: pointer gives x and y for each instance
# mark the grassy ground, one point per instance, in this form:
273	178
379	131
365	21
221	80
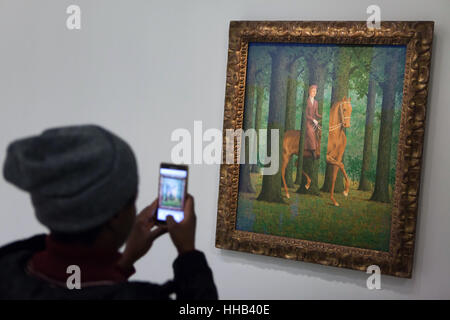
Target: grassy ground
357	222
172	203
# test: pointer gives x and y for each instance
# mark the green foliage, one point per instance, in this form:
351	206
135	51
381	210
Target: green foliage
361	65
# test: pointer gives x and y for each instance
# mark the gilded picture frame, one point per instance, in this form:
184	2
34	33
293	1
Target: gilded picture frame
417	37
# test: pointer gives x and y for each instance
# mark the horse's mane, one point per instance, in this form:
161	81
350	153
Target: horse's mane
336	104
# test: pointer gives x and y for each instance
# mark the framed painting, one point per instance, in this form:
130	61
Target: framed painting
330	119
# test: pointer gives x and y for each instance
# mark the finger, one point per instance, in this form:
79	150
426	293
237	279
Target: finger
156	233
148	212
189	203
149	223
189	207
170	222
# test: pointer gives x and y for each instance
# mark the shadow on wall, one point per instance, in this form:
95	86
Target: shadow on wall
327	273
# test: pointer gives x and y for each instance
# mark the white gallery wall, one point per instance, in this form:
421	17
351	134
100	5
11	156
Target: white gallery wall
145	68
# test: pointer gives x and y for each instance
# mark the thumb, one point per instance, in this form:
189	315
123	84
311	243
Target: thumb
170	221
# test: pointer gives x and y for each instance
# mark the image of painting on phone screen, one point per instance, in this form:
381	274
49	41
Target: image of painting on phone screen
171	194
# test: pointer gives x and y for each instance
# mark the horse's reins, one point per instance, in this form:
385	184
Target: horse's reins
337	126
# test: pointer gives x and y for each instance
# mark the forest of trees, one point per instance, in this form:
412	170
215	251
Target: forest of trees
278	78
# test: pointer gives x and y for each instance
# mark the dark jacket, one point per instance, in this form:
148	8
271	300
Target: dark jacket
193	279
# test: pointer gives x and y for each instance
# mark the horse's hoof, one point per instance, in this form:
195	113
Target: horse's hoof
336	204
288	196
345	193
307	186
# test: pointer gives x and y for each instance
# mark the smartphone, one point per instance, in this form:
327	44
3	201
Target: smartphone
172	192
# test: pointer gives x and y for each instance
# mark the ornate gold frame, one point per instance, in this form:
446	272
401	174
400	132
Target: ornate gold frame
417	36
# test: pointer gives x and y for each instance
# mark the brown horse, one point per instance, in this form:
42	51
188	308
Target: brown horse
340	114
290	147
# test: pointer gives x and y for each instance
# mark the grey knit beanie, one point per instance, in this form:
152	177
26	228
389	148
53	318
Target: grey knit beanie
79	177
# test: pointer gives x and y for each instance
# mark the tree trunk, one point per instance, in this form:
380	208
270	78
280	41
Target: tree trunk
271	184
258	121
364	183
317	73
381	191
291	103
340	90
301	143
245	183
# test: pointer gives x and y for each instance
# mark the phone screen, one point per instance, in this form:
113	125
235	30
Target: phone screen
172	191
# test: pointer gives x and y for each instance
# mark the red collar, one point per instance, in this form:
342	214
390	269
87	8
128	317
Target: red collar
96	266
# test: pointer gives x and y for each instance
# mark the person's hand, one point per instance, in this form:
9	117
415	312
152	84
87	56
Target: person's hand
315	122
141	236
183	233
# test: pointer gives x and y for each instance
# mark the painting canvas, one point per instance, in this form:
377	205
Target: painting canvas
338	110
342	106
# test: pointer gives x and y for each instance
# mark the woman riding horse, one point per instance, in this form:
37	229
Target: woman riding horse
340	115
312	115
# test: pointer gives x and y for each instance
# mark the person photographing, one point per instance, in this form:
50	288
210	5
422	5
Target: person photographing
83	184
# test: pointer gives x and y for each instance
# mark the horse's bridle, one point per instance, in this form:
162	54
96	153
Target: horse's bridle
341	115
